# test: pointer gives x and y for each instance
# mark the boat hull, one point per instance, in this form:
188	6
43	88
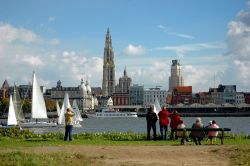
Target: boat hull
116	114
37	124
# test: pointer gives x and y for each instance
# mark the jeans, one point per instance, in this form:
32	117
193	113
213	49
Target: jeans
68	132
164	132
148	131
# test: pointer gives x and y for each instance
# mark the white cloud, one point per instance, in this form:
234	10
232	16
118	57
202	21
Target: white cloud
51	19
23	51
161	27
181	50
32	60
8	33
132	50
181	35
238	41
54	42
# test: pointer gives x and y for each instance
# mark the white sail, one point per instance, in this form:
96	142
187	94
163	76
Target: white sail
66	104
11	115
78	116
57	109
157	106
18	105
38	110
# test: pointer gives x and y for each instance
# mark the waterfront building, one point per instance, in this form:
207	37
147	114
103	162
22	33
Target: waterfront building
182	94
120	98
240	98
136	95
205	98
151	94
108	82
124	83
5	90
176	78
82	94
223	94
247	97
121	95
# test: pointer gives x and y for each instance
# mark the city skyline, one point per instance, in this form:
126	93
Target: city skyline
61	40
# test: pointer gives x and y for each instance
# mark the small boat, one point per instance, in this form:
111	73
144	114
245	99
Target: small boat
77	117
61	119
12	120
38	110
111	113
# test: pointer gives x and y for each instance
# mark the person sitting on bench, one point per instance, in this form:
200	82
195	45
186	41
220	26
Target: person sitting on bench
197	135
213	134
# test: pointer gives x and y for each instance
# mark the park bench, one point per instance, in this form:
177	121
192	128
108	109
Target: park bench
205	130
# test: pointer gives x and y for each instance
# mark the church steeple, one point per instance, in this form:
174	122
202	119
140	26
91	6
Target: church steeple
108	82
125	72
108	42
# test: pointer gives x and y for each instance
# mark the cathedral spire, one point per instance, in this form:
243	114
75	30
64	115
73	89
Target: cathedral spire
108	82
125	72
108	42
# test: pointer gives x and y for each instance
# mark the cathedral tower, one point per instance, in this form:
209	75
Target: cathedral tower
108	80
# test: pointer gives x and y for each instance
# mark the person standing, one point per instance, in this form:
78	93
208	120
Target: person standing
151	122
68	124
175	121
163	122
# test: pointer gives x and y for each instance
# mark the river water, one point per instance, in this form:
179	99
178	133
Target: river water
138	125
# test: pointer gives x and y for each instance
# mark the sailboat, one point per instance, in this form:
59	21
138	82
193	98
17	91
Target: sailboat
66	104
38	110
57	108
157	106
18	105
12	120
78	116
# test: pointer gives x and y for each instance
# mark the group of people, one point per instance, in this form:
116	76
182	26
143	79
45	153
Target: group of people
177	123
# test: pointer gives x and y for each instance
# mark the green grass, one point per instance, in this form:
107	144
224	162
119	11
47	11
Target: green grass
237	147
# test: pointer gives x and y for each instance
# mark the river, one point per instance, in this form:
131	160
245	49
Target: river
138	125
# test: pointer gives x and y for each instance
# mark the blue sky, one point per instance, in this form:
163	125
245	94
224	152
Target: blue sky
64	40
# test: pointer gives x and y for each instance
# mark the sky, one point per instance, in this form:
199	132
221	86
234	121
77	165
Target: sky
64	40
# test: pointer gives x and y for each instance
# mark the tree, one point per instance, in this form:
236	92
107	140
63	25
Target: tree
26	106
50	104
5	105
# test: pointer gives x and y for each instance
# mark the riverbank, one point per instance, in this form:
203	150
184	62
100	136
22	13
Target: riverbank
22	147
208	114
117	153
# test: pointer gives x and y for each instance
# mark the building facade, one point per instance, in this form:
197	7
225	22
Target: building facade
124	83
5	90
82	94
151	94
240	98
108	82
223	94
136	95
176	78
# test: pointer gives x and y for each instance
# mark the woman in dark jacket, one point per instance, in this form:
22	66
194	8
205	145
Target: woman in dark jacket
197	135
151	122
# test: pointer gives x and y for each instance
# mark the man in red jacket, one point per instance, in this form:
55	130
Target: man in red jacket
175	121
163	120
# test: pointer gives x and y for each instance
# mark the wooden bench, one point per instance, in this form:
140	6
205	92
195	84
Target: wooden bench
205	130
